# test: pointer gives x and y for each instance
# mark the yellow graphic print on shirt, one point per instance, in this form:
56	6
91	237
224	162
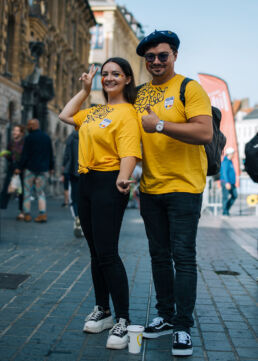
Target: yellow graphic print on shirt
98	112
149	95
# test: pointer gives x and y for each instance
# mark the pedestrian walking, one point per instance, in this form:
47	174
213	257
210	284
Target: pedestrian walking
109	146
174	173
13	156
36	161
70	165
228	181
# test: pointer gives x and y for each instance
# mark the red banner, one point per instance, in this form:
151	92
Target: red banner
218	92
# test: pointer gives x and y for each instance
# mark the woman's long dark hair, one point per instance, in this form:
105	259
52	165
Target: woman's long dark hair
129	90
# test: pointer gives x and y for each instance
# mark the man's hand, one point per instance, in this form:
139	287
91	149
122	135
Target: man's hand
150	121
228	186
123	185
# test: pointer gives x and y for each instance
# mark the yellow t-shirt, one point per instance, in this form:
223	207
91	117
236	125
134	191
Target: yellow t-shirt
107	133
170	165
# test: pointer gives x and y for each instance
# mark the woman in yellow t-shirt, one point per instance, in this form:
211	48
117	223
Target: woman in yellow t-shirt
109	146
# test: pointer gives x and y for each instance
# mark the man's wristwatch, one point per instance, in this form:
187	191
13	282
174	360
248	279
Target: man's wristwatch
160	126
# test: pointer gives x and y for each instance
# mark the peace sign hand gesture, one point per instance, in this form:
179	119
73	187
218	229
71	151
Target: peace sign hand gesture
86	78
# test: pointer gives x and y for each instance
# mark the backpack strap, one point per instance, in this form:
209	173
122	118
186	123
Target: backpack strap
182	89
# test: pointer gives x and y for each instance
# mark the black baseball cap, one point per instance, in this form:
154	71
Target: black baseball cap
158	36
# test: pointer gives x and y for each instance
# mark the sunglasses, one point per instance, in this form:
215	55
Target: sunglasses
150	57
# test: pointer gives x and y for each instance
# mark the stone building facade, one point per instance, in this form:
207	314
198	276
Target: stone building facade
63	26
117	33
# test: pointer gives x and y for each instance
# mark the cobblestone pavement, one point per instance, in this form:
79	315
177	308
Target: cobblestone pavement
42	319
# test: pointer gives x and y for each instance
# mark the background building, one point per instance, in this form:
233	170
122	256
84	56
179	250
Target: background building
63	27
116	33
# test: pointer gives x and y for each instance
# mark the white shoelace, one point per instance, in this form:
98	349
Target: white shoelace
95	315
118	329
156	321
183	337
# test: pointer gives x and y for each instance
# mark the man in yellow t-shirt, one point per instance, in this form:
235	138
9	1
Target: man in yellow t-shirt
174	174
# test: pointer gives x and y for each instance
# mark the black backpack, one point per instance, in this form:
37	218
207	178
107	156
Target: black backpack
251	158
215	148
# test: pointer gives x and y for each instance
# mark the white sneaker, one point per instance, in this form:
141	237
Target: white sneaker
118	335
98	321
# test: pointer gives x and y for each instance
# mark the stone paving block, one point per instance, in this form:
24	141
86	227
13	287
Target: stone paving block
212	327
196	341
236	317
98	352
126	357
245	352
33	350
6	353
203	301
213	336
221	356
157	355
208	319
246	342
163	343
217	345
235	325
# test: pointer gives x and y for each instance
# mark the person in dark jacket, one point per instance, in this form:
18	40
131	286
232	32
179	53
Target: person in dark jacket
13	156
228	181
70	165
36	160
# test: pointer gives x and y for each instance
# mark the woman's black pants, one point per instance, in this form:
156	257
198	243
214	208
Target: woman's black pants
101	208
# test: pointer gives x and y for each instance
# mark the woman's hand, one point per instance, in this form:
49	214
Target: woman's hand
86	78
123	185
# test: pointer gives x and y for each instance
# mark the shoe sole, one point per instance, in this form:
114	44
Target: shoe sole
99	329
178	352
157	334
117	347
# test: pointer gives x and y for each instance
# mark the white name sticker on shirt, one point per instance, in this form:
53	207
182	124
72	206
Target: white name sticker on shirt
104	123
169	102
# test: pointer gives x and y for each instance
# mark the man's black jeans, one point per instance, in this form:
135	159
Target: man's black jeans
171	222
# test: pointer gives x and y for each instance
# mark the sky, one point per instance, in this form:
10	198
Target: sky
217	37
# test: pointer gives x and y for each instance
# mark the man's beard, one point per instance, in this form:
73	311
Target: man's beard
153	71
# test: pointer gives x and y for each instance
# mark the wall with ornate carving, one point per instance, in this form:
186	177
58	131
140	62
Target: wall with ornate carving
64	28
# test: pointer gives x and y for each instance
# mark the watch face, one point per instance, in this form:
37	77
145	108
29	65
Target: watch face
159	127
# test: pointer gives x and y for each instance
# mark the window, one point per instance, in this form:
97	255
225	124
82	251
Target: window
97	37
96	83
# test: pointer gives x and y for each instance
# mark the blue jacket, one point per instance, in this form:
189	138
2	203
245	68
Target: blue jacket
37	153
227	171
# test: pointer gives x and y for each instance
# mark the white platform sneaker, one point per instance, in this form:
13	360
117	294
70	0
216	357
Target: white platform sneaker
98	321
118	335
